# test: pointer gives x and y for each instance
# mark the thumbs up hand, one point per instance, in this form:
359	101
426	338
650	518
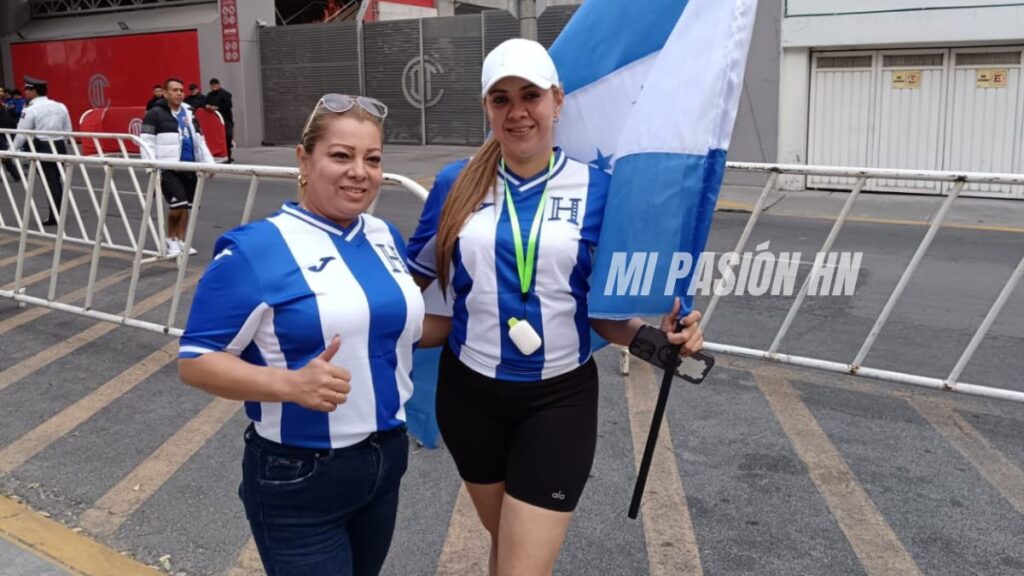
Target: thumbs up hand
320	385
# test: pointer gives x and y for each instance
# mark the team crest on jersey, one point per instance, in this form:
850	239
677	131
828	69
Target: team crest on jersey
565	209
393	258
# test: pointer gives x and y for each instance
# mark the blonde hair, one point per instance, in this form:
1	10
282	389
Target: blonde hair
318	121
469	190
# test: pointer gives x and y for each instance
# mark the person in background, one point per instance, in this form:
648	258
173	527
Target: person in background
44	114
195	98
16	103
219	100
173	133
158	93
9	121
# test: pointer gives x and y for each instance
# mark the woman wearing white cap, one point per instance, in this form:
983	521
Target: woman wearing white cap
509	236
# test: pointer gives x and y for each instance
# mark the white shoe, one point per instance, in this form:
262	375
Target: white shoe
173	247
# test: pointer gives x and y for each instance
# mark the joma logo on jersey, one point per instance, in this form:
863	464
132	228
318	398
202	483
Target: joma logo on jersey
323	264
561	207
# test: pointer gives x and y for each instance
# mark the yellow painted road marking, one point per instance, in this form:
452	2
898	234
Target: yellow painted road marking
39	311
1000	472
62	546
45	274
467	546
872	539
121	501
57	351
732	205
28	254
671	543
19	451
248	562
745	207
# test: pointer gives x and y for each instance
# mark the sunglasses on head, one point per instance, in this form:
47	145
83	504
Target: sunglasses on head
343	103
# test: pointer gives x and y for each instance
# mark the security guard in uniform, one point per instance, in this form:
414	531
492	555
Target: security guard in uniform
41	113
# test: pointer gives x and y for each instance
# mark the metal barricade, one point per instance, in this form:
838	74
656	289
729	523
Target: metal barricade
142	228
139	230
78	229
856	366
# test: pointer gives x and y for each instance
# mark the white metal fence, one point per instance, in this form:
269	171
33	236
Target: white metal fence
26	214
138	230
856	366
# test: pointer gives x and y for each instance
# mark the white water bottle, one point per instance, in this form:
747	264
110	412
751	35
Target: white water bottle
523	336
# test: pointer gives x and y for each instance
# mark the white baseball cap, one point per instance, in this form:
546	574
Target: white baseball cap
519	58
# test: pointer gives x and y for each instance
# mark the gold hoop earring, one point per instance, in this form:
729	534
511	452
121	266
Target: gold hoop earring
302	180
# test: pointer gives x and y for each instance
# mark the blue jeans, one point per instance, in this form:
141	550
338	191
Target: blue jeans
320	512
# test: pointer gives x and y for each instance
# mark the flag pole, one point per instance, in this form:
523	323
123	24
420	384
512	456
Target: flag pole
652	435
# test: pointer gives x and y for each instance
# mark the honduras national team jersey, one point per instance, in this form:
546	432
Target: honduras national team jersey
485	280
279	289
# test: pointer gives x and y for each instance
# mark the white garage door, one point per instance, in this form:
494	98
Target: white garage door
985	115
911	116
842	97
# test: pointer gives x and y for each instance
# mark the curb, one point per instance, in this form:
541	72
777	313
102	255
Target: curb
744	208
62	546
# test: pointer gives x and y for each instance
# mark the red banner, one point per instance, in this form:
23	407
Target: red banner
212	126
117	71
128	120
229	30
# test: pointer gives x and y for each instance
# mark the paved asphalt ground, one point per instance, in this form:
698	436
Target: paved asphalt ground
763	469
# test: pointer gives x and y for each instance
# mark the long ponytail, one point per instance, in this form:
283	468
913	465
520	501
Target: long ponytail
470	189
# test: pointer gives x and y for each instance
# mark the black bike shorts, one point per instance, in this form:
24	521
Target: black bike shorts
537	437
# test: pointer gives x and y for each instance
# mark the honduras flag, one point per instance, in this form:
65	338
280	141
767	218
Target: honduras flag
652	89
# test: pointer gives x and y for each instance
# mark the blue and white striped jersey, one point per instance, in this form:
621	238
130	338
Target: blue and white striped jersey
279	289
485	280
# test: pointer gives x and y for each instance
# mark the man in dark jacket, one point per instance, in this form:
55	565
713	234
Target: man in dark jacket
7	120
195	98
219	100
158	93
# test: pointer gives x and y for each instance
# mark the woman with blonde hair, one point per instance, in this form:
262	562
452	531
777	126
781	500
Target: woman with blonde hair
509	236
310	317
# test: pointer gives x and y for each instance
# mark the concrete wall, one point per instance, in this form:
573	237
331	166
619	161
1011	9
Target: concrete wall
934	27
13	15
241	78
398	11
754	137
816	25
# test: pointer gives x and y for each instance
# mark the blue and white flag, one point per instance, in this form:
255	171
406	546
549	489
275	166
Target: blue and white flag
652	89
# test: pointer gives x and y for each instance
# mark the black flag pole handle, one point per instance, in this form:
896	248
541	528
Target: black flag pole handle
652	345
652	438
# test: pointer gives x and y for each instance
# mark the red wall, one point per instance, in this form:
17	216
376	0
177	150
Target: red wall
131	64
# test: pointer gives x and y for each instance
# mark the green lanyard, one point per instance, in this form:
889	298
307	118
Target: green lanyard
525	263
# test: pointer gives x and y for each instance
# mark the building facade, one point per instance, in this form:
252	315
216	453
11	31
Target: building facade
915	84
276	72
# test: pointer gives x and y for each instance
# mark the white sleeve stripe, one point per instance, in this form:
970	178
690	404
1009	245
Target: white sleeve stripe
194	350
247	331
421	268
